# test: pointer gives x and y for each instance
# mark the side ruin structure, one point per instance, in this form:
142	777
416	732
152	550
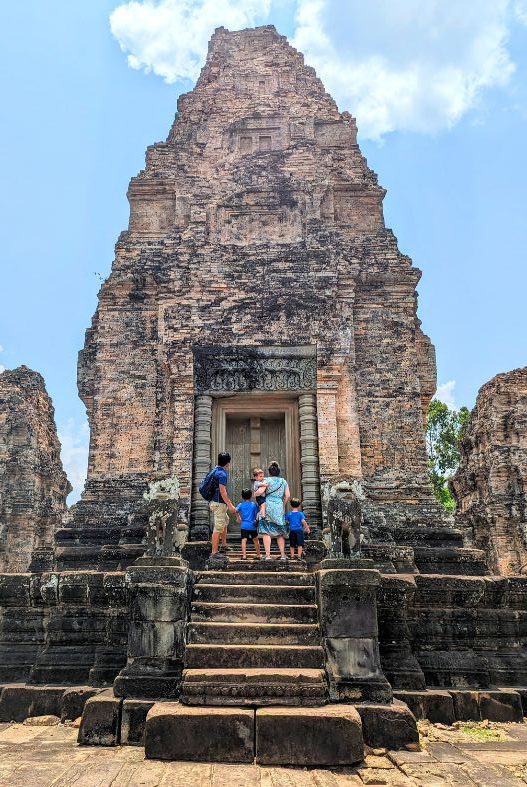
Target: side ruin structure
258	303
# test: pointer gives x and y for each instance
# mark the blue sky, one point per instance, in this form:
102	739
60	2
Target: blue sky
440	93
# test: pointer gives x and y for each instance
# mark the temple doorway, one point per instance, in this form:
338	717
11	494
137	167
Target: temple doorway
256	430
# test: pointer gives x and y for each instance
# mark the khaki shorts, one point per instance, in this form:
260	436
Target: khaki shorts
221	517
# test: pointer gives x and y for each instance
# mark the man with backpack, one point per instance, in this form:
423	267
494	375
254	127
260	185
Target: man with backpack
214	489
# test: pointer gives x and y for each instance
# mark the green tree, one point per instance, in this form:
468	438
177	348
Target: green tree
444	431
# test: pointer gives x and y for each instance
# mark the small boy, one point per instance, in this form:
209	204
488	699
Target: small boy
297	525
259	488
248	512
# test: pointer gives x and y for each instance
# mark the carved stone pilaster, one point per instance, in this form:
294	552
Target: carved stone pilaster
307	414
201	461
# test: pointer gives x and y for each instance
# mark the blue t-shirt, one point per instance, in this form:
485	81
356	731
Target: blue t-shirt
221	477
294	520
248	511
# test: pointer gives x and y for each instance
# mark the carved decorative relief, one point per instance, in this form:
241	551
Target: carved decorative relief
246	369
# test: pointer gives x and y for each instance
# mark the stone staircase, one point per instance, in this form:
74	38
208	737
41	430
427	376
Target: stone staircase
253	638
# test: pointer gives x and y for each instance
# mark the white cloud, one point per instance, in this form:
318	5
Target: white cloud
75	439
410	65
2	368
445	394
520	9
413	65
169	37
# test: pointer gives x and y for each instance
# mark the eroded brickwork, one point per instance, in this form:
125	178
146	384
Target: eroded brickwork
490	485
33	484
258	222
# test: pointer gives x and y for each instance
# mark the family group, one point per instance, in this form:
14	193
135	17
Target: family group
262	511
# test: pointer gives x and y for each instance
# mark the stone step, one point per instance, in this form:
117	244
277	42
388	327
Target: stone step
306	656
269	594
290	578
247	686
305	737
390	558
253	633
448	560
236	554
428	536
265	565
225	612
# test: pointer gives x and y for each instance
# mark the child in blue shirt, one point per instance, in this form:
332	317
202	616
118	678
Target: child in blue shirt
248	510
297	525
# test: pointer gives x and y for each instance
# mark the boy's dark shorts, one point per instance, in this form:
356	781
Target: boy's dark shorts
296	538
248	533
260	500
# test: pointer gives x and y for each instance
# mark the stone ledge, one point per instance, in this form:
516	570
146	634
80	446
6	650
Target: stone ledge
388	726
19	701
101	720
177	732
331	735
448	705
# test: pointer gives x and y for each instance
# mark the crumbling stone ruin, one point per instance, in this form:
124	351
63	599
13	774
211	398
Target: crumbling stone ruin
489	485
257	303
33	484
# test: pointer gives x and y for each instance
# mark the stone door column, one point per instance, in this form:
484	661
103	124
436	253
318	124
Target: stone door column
201	463
307	415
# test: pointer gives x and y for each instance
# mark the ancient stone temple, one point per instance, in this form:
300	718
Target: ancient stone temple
33	484
490	485
258	304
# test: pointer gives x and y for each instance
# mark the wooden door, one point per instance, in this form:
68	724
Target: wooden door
272	443
252	440
238	444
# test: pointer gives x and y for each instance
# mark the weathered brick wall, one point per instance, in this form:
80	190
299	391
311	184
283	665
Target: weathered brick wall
490	485
33	484
69	627
258	222
453	632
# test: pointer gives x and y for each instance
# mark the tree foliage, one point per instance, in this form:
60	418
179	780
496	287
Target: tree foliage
445	428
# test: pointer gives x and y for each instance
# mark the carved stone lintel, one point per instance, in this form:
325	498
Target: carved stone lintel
222	369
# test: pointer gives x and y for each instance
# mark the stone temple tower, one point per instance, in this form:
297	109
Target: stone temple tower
258	303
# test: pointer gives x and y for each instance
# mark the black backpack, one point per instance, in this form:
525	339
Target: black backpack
208	486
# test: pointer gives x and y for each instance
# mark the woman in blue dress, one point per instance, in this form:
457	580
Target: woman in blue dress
276	497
